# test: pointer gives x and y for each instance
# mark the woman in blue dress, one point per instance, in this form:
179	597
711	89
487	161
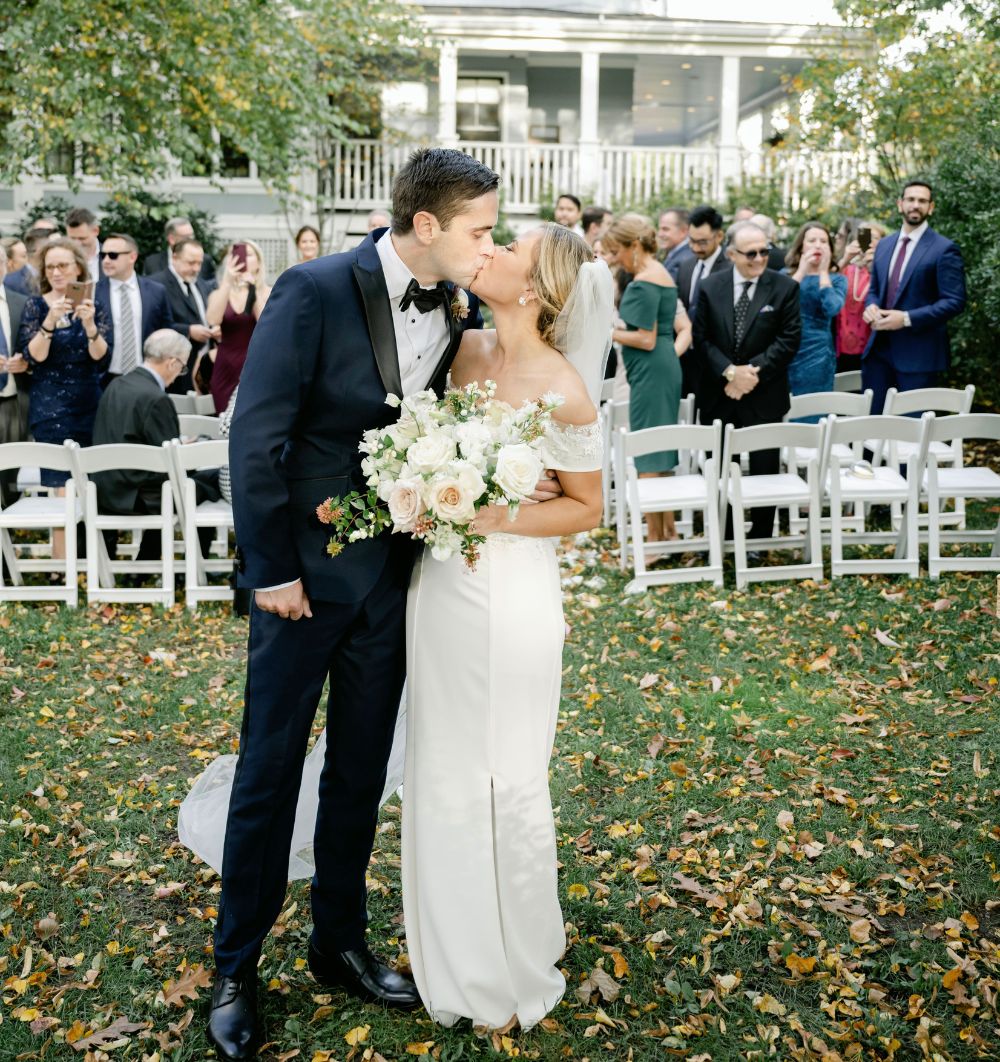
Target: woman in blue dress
822	292
67	349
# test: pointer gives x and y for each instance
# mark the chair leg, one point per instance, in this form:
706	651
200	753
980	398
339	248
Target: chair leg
739	530
836	526
72	590
933	528
7	548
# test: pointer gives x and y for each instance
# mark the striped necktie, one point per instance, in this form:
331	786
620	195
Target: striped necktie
128	345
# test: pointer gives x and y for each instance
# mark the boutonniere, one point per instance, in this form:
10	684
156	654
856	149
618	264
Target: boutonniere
459	304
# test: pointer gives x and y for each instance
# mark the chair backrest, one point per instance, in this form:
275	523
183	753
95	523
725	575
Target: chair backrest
618	414
193	425
37	455
878	427
703	437
182	403
963	426
204	406
936	399
685	410
825	403
207	453
770	437
608	390
847	381
90	459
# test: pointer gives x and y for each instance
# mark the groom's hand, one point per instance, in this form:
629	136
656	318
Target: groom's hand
290	602
546	489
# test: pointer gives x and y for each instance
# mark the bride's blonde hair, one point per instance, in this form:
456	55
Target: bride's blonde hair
560	254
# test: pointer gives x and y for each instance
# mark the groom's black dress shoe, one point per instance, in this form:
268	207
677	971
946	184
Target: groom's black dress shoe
361	974
232	1023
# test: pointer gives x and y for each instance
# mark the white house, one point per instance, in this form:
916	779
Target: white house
615	100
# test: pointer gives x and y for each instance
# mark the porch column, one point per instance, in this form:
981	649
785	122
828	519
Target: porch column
447	94
589	172
729	120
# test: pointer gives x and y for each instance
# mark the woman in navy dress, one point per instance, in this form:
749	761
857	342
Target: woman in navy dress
68	350
821	298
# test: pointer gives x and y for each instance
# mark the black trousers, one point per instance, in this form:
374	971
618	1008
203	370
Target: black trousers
762	462
361	647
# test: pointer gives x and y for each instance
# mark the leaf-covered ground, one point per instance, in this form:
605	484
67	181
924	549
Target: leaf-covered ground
777	817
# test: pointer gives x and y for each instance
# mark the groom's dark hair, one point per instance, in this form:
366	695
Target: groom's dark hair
440	181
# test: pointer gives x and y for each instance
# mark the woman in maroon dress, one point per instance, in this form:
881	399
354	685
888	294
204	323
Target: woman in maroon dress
235	306
852	332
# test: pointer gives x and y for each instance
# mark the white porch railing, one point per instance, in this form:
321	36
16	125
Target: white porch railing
362	172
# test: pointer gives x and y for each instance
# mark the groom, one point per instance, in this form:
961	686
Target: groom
338	334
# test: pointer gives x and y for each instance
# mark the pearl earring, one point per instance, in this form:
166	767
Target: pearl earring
522	301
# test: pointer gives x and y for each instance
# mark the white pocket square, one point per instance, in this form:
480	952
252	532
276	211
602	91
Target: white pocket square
767	309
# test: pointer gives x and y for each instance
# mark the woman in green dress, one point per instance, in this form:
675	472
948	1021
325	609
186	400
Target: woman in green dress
656	333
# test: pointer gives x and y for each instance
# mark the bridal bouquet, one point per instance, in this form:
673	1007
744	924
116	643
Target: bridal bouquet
444	459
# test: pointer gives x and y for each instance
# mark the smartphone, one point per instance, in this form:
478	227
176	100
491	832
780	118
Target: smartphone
864	238
79	290
240	254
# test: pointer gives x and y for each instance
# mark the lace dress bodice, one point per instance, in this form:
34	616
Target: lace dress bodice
573	447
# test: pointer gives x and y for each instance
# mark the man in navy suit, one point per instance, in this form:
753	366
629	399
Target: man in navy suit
338	334
138	307
917	287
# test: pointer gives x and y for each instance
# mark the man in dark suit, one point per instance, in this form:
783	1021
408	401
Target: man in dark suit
337	335
25	280
188	295
672	239
14	378
917	287
137	306
175	230
746	331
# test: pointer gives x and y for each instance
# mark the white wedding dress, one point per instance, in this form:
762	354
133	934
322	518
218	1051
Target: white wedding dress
484	929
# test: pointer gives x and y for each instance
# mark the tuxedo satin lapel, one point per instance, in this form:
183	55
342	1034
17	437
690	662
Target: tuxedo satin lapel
920	252
440	374
378	313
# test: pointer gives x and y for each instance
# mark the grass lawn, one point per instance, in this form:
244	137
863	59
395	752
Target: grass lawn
777	817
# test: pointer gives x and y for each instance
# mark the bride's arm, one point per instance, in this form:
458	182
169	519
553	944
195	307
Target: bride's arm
579	509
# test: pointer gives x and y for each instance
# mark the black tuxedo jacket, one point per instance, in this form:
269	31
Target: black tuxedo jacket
133	409
686	271
185	314
321	362
771	339
158	261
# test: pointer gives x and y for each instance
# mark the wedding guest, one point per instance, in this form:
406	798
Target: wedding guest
16	254
651	316
25	279
672	239
852	332
378	219
307	243
67	348
568	211
595	222
917	287
13	377
83	227
775	255
743	213
822	292
174	231
48	225
235	307
846	233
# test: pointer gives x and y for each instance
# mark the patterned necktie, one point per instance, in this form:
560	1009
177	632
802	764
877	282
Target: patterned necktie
897	272
740	313
129	347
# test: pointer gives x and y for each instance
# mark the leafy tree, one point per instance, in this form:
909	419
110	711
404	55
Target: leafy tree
912	93
142	87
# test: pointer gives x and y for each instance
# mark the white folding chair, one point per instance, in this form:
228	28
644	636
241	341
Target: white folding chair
877	485
781	489
204	405
194	425
184	404
43	512
823	404
936	400
101	570
215	514
960	482
697	490
614	416
847	381
607	390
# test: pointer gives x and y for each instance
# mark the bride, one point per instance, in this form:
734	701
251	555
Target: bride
484	928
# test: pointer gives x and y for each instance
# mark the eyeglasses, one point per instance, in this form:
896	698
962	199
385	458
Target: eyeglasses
751	255
59	267
113	255
706	242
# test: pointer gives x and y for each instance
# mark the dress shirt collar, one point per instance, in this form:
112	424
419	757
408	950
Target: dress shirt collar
916	233
3	291
739	280
397	272
132	283
708	264
154	374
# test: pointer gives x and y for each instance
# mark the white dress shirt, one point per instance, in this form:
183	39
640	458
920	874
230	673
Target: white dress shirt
421	338
94	265
702	270
10	387
913	236
132	286
195	293
738	281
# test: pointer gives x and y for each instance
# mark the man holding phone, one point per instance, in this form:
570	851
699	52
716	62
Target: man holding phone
917	286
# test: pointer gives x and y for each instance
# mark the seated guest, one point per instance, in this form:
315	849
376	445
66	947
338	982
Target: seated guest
378	219
188	296
672	239
175	230
775	254
568	211
821	298
138	306
307	243
855	264
135	408
595	222
13	378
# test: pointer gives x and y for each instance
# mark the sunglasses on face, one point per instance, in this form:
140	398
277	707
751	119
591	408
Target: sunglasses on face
751	255
113	255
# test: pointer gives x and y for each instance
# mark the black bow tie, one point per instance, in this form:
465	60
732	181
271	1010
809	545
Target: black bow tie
425	299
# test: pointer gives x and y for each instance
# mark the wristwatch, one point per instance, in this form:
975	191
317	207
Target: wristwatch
730	373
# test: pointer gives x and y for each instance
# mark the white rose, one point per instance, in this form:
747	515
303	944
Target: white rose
518	470
431	453
404	504
450	501
445	543
470	478
473	438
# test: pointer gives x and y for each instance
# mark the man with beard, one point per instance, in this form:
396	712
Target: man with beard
917	286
